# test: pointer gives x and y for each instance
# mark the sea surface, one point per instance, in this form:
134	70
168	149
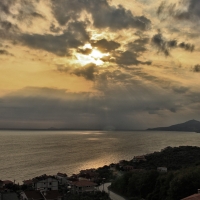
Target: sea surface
26	154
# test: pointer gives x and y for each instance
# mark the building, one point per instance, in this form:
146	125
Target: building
137	159
192	197
88	174
128	168
83	186
44	183
28	182
31	195
52	195
62	178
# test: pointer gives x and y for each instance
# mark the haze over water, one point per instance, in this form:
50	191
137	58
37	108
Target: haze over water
26	154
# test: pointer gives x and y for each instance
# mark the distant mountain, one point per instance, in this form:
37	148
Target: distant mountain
189	126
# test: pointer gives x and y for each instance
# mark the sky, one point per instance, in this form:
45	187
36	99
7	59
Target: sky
99	64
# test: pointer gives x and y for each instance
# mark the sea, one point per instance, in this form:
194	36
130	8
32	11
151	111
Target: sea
27	154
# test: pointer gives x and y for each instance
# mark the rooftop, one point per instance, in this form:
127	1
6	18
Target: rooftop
35	194
84	183
192	197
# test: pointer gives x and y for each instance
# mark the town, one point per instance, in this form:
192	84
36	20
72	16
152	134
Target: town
173	173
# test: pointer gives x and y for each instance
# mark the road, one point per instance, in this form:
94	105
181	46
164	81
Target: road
112	195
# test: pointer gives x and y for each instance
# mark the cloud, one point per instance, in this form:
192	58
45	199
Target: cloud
84	51
103	14
4	52
187	46
118	106
183	10
196	68
54	29
163	45
105	46
138	46
73	37
180	89
128	58
88	72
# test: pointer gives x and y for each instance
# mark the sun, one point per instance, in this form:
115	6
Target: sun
96	54
94	57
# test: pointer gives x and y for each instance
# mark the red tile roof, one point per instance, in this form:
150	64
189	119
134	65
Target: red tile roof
35	195
7	182
192	197
84	183
27	182
53	194
61	174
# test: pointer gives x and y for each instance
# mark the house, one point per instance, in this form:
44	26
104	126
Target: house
192	197
52	195
137	159
7	182
44	183
162	169
31	195
112	166
62	178
128	168
83	186
88	174
28	182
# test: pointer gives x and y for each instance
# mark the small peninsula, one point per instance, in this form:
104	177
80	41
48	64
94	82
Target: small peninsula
189	126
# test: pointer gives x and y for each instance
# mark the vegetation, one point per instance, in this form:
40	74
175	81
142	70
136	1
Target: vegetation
105	174
181	180
173	158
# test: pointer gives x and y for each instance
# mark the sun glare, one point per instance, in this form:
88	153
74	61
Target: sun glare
94	57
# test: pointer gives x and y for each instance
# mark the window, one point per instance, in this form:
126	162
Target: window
49	183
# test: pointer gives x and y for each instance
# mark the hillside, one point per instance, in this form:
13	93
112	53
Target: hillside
189	126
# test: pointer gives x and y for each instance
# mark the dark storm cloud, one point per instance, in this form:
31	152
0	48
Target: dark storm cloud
119	107
5	6
163	45
85	51
54	29
128	58
187	46
73	37
88	72
180	89
196	68
4	52
105	45
103	14
139	45
173	10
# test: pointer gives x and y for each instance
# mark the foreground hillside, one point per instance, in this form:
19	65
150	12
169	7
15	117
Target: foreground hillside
181	180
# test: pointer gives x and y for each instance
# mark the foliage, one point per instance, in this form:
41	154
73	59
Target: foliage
151	185
105	173
173	158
